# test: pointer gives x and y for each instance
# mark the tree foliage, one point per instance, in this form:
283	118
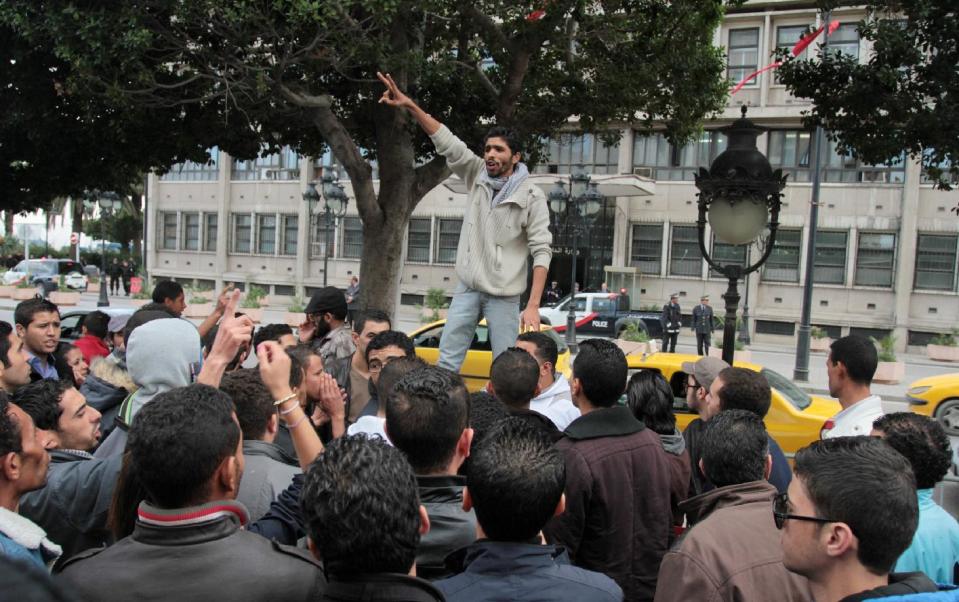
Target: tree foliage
904	98
302	73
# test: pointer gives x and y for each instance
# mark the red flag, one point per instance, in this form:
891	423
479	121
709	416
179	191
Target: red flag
797	49
536	15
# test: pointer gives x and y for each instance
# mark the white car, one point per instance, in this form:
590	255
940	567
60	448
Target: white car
39	271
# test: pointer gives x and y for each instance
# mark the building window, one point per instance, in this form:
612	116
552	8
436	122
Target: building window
847	168
193	171
319	236
790	150
727	254
568	151
352	238
743	54
775	327
191	231
266	234
290	227
875	260
655	157
209	240
447	239
418	240
647	249
783	262
846	40
168	231
282	165
830	258
411	299
936	262
684	256
242	232
787	37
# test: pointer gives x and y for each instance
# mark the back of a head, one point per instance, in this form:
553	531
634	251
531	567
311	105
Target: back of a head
859	356
361	508
923	442
390	338
41	400
177	443
546	350
514	375
650	398
141	317
96	323
426	415
371	315
5	330
601	369
393	372
734	448
744	389
164	354
516	478
25	310
251	400
485	413
167	289
865	483
270	332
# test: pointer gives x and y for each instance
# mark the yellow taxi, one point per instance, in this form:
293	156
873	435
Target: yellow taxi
795	417
479	358
938	397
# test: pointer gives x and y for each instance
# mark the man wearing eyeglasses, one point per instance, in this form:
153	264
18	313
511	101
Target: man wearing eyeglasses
850	512
732	552
699	378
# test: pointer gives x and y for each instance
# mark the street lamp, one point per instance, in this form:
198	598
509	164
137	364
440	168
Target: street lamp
580	200
741	195
334	207
108	202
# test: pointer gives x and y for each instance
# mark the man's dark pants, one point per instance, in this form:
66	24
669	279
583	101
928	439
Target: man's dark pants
702	343
669	342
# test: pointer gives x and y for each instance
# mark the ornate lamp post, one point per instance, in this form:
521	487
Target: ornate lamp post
108	203
335	200
581	201
741	195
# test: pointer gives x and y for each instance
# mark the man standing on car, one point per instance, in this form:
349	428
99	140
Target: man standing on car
703	325
506	219
672	321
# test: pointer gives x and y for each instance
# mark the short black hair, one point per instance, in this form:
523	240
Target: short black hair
865	483
97	323
371	315
41	399
270	332
179	440
734	448
25	310
9	429
923	442
426	415
601	369
390	338
360	507
252	401
744	389
485	413
514	376
511	137
299	359
650	398
859	356
167	289
515	478
393	372
546	349
5	330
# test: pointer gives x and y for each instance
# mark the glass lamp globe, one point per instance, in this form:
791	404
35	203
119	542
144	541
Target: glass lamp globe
737	223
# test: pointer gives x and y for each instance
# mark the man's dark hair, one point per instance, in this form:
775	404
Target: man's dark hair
251	400
179	440
601	369
509	135
25	310
426	415
391	338
9	429
167	289
371	315
859	356
41	399
5	330
923	442
650	398
361	508
744	389
516	478
514	375
485	413
270	332
734	448
97	323
299	360
546	350
393	372
865	483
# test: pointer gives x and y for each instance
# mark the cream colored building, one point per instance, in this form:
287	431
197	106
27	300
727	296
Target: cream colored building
886	257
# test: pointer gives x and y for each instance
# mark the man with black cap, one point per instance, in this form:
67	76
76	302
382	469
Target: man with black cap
325	327
672	321
703	325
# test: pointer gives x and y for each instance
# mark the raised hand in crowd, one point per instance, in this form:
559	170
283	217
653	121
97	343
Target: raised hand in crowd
275	369
233	333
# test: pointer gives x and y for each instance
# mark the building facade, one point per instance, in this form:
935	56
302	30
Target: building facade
887	243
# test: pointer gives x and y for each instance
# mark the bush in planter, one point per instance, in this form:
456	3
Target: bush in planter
634	333
948	339
197	298
886	347
297	305
435	301
25	283
253	297
818	333
738	347
145	293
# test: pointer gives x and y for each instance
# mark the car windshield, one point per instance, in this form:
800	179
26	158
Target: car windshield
35	267
68	267
787	388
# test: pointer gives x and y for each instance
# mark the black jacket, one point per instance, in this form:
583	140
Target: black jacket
672	318
900	584
198	553
381	587
451	527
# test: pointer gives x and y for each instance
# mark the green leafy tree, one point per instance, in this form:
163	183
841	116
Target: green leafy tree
303	73
904	98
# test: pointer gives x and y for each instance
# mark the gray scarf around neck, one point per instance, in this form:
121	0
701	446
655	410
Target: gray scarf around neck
505	187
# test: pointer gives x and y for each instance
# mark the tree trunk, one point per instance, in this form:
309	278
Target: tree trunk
8	223
382	263
76	208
